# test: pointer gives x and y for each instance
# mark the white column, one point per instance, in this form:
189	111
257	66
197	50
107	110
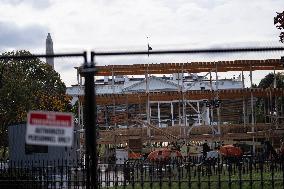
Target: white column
198	109
207	115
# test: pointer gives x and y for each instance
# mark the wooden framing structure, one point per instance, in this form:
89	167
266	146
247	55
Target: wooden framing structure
241	100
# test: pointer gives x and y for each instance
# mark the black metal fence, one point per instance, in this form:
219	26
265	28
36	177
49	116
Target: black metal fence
241	173
177	174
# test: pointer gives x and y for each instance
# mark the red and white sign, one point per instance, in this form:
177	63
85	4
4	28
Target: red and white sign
50	128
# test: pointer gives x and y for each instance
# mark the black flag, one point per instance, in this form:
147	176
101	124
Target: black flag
149	49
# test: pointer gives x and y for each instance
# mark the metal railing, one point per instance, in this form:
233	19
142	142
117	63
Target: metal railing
173	173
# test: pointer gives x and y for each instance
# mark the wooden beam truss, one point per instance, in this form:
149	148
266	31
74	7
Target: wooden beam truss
192	67
135	98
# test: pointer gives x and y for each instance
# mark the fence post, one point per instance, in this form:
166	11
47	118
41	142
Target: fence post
250	173
282	165
170	176
220	163
261	174
230	169
141	175
198	177
209	174
179	175
189	174
125	174
151	173
272	174
88	71
160	169
240	174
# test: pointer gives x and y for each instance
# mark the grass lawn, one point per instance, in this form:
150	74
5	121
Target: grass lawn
245	180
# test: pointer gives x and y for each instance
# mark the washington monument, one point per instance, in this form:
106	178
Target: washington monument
49	50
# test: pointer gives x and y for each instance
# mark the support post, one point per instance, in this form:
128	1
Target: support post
198	111
112	80
183	107
172	114
275	101
88	71
159	115
211	116
185	117
183	104
210	108
179	113
217	98
244	104
179	106
113	92
127	112
252	110
150	111
147	103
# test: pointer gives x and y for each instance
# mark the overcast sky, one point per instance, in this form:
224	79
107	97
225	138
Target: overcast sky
124	24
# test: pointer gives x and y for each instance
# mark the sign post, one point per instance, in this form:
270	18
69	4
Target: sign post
50	128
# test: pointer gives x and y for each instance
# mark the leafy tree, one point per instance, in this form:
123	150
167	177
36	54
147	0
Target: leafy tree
268	81
75	108
279	22
262	103
28	84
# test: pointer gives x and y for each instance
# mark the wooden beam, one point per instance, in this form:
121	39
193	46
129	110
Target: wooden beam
107	99
192	67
